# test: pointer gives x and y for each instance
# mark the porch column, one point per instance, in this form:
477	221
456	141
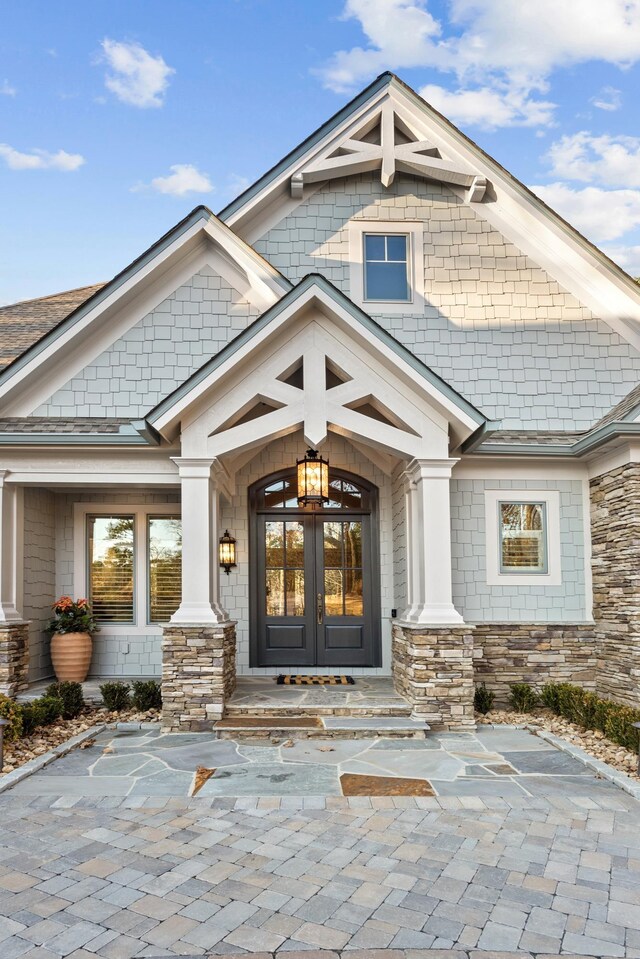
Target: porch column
429	589
200	533
199	643
14	631
432	651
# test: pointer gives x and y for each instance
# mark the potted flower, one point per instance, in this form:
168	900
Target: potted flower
71	644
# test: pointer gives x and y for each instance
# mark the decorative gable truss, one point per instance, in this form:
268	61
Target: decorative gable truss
392	143
316	364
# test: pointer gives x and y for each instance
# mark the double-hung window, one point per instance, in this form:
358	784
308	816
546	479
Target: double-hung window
134	566
386	267
523	537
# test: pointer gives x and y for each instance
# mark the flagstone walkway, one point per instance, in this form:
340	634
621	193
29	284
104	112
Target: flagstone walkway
503	762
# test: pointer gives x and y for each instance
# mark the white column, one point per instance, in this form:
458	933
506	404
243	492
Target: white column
429	544
11	536
200	533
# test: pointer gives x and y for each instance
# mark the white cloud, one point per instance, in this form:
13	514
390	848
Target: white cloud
40	159
6	90
628	257
612	161
601	215
183	179
488	108
506	47
609	99
137	77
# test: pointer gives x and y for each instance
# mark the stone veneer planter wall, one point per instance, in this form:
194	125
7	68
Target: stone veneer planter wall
198	675
433	670
533	653
14	658
615	533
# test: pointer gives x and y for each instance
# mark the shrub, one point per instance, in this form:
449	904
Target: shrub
587	710
71	696
33	715
483	699
52	707
13	712
146	695
116	696
523	699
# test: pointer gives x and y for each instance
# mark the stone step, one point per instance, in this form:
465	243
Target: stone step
323	727
238	709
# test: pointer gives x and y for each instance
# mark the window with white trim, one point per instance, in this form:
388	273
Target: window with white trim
133	557
523	537
386	267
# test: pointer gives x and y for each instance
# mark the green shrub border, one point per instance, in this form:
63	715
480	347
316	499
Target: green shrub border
588	711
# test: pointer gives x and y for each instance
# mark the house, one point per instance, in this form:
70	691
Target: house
391	299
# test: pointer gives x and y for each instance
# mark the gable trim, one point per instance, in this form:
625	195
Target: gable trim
159	415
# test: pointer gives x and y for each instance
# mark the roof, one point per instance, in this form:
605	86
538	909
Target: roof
628	408
62	424
23	324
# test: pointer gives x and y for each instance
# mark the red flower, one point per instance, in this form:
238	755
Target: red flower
82	603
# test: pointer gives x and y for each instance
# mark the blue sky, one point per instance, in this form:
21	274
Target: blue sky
117	118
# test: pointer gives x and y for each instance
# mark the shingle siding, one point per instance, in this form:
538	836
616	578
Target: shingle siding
161	351
39	575
496	326
481	603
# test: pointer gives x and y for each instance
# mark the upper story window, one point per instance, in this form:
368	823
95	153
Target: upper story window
386	267
523	537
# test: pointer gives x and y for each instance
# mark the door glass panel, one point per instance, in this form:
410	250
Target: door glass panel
295	544
353	544
332	544
342	542
274	545
275	592
333	592
295	592
284	568
353	605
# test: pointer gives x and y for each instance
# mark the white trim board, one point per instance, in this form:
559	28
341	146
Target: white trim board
415	232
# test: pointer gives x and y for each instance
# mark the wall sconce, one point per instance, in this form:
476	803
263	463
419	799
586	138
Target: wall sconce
313	479
227	552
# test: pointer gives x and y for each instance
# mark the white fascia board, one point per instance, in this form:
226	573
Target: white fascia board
96	468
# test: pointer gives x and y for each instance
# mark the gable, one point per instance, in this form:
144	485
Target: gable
158	353
315	362
199	241
495	325
439	152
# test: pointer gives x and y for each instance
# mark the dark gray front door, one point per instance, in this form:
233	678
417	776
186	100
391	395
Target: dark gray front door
314	586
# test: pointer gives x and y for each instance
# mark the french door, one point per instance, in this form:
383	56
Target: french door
314	589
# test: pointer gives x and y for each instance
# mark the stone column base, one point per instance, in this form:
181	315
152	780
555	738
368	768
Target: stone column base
433	670
14	658
198	675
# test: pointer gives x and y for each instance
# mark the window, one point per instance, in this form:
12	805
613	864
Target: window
111	566
522	537
386	267
133	565
164	537
523	546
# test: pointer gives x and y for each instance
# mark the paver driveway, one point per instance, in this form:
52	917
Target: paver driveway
123	877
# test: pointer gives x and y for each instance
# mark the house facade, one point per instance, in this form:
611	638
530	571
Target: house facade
391	299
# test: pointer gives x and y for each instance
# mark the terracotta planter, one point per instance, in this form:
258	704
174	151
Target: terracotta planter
71	656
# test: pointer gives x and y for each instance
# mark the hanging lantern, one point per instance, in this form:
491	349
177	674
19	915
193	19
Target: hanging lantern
227	552
313	479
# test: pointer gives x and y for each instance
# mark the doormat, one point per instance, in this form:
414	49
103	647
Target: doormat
295	680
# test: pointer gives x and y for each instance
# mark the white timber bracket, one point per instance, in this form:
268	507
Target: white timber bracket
388	143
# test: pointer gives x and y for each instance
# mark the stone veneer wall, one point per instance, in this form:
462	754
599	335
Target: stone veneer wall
533	653
14	658
198	675
615	532
433	670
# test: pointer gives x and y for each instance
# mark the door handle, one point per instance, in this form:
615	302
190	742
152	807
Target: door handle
320	608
